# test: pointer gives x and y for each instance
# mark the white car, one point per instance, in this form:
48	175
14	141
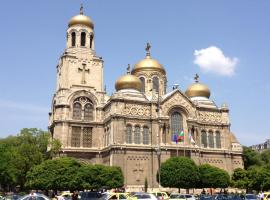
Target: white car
35	196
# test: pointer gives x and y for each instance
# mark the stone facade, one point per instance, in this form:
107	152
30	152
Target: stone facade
132	129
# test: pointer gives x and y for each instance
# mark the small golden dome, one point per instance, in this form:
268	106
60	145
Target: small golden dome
81	19
148	64
128	81
198	89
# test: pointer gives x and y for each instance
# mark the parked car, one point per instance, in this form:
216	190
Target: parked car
251	197
266	196
144	196
35	196
90	195
190	197
177	196
115	196
11	197
160	195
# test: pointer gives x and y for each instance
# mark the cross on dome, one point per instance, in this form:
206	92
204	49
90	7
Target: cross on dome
196	78
81	9
147	49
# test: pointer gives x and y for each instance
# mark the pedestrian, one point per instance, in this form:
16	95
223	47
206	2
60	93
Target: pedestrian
261	195
74	195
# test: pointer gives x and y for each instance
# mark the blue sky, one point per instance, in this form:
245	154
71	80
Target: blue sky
233	35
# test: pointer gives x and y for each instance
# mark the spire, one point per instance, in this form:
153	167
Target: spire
147	49
196	78
128	69
81	9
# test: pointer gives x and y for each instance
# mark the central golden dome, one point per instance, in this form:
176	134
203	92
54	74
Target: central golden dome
198	89
128	81
148	64
81	19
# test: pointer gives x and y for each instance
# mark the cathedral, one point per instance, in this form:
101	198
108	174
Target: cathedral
140	125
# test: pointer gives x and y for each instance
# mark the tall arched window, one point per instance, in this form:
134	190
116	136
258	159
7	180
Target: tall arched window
91	41
82	39
77	110
176	123
218	141
211	139
88	111
156	84
129	134
73	39
137	135
145	135
143	84
203	139
76	136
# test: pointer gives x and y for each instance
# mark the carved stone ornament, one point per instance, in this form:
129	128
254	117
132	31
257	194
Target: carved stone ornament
136	110
178	100
213	117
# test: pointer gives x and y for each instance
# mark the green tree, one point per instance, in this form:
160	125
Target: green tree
213	177
265	157
56	174
259	178
240	179
251	158
179	172
19	153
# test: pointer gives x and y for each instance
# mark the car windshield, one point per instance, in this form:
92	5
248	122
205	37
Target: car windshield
142	196
174	196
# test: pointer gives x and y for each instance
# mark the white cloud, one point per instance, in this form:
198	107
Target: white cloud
213	60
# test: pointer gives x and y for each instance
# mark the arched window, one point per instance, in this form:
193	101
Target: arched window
88	111
76	136
129	134
203	139
137	135
77	110
145	135
211	139
176	124
143	84
87	137
218	141
91	41
85	105
73	39
82	39
155	84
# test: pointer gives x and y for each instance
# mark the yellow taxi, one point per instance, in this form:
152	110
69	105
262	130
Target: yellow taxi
266	196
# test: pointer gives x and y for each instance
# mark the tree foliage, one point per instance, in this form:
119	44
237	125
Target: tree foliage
19	153
213	177
68	174
179	172
251	158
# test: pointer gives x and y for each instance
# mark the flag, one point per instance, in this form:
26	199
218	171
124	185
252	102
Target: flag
181	136
191	140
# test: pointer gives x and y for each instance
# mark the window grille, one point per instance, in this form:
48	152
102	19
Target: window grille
218	141
203	138
129	135
137	135
176	123
210	139
145	135
76	137
87	137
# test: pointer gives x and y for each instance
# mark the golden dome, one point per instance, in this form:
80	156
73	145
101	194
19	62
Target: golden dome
198	89
81	19
148	64
128	81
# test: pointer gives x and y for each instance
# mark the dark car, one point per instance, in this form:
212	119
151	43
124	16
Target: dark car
90	195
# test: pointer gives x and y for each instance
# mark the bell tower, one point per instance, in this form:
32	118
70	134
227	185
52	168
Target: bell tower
79	66
79	95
